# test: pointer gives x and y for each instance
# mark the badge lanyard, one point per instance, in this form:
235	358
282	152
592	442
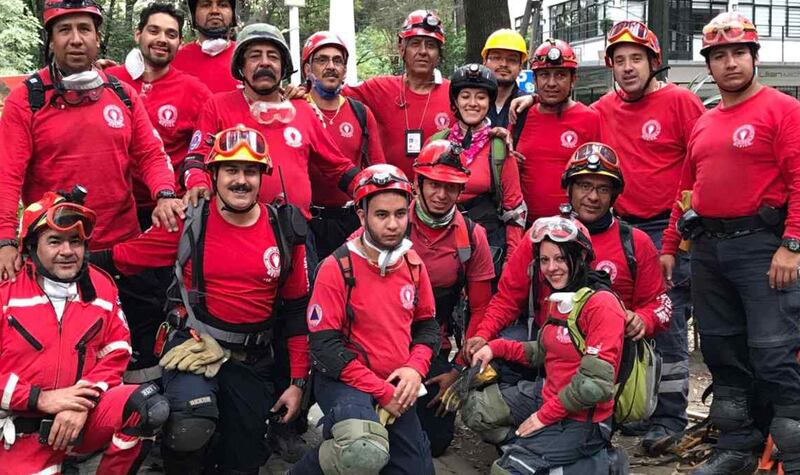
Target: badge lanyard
413	136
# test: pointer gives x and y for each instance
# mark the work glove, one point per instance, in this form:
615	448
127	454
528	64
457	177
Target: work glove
8	433
470	378
384	417
199	357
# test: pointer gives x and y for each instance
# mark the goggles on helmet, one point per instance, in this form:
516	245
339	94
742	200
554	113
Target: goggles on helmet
593	155
732	31
66	216
556	228
382	179
73	4
268	112
635	28
229	141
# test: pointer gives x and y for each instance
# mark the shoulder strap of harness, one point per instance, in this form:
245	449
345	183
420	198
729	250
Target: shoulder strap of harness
116	86
516	132
361	115
345	263
626	237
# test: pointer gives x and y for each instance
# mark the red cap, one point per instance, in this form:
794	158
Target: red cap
320	39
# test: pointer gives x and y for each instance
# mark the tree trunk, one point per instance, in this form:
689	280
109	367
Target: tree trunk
108	21
482	18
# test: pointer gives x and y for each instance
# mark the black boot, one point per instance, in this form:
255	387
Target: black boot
658	440
728	462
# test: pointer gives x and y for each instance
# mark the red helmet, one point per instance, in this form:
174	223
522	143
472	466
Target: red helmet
554	54
728	28
378	178
441	160
594	158
57	8
57	212
635	32
422	23
320	39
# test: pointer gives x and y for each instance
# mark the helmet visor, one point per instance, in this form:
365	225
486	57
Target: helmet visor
556	228
65	217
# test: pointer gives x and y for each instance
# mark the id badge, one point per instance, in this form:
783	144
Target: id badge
413	142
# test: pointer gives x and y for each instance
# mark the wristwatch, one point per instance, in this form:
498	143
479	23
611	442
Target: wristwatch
169	194
9	242
791	244
300	383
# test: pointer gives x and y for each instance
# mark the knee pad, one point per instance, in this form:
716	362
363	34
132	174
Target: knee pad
730	409
498	470
152	407
786	432
487	413
358	446
190	428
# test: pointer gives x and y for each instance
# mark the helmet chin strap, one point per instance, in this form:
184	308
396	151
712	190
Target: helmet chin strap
229	208
387	257
745	86
82	278
214	33
641	94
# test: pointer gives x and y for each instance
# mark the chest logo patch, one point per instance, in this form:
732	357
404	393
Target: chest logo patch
609	267
441	120
562	335
569	139
651	130
272	261
293	137
346	129
314	316
407	296
743	136
113	116
167	116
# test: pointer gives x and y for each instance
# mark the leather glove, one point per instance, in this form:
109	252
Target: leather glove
470	378
194	356
384	417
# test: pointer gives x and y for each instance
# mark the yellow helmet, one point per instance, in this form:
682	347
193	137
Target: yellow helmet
506	39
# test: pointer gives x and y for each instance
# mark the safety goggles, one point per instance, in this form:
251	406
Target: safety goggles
76	98
731	31
269	112
636	29
556	228
382	179
229	141
65	217
592	156
74	4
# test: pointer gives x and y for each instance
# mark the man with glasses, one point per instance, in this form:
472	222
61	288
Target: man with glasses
743	168
505	54
413	106
648	123
352	126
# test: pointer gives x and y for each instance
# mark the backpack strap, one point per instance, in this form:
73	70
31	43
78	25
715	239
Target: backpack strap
414	264
36	91
516	132
463	235
497	158
345	263
361	116
626	237
579	300
440	135
116	86
190	246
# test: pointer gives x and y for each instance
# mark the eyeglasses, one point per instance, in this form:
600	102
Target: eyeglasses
587	188
230	140
65	216
556	228
732	31
323	61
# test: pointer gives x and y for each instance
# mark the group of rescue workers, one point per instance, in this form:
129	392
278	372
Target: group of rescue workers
395	252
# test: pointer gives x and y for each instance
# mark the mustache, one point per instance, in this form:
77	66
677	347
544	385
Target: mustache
330	74
265	73
243	188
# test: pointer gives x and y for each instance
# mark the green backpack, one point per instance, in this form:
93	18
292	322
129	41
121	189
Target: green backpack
639	373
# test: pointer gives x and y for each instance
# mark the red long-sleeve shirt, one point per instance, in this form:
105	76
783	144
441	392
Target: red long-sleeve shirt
602	322
398	109
40	350
239	291
647	296
547	142
381	326
213	71
480	182
292	147
741	158
98	145
343	127
650	138
173	103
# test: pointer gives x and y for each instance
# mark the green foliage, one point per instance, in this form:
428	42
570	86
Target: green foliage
19	35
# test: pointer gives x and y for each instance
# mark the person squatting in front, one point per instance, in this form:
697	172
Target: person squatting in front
459	262
570	427
217	342
492	196
65	345
372	335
